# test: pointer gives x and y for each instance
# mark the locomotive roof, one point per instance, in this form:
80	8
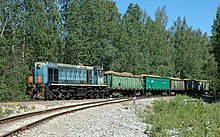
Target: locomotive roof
55	65
74	66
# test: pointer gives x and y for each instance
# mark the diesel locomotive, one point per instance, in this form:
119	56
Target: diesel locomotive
50	80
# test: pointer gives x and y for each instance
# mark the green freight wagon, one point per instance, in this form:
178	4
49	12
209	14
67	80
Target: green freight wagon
157	85
123	83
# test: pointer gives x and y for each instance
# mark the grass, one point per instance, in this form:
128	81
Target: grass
182	116
11	108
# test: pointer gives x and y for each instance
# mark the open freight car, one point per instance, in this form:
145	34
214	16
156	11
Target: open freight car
205	86
156	85
202	86
194	86
125	84
177	86
51	80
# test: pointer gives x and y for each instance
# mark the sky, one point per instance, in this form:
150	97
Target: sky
198	13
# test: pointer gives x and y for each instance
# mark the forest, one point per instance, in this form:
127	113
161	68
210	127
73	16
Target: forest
94	32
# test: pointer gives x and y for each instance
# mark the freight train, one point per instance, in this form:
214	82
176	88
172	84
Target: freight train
50	80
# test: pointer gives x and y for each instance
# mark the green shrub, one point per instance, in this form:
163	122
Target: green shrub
8	112
1	113
183	116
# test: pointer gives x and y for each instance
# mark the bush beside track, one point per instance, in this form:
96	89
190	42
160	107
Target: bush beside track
182	116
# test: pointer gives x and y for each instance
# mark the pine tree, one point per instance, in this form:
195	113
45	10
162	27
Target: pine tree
191	52
215	38
160	50
133	36
90	27
29	33
41	30
12	66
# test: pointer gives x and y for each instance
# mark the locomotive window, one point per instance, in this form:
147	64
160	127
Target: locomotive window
38	66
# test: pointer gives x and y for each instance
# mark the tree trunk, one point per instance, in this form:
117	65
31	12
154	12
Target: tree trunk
23	50
3	29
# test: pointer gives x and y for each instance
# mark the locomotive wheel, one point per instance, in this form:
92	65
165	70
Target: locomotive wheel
68	96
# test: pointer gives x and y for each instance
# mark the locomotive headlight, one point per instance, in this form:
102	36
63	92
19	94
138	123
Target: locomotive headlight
38	66
30	85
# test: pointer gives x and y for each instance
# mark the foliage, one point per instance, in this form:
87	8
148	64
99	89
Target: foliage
215	43
14	107
90	27
182	116
29	32
215	38
93	32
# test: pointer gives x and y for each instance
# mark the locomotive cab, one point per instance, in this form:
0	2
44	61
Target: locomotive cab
98	75
40	73
38	79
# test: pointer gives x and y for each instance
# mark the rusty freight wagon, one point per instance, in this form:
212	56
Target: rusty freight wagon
177	85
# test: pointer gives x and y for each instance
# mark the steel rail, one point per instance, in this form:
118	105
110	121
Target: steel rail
82	106
21	116
35	123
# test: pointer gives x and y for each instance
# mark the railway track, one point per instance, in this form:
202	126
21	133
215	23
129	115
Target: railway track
16	124
12	126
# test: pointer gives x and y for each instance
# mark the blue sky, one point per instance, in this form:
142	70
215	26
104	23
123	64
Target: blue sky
198	13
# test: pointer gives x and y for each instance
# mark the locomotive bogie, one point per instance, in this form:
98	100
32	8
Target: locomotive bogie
74	91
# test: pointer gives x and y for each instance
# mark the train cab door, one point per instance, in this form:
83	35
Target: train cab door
56	75
52	75
89	76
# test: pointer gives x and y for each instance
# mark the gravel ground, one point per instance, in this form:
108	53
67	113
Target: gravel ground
8	109
117	120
